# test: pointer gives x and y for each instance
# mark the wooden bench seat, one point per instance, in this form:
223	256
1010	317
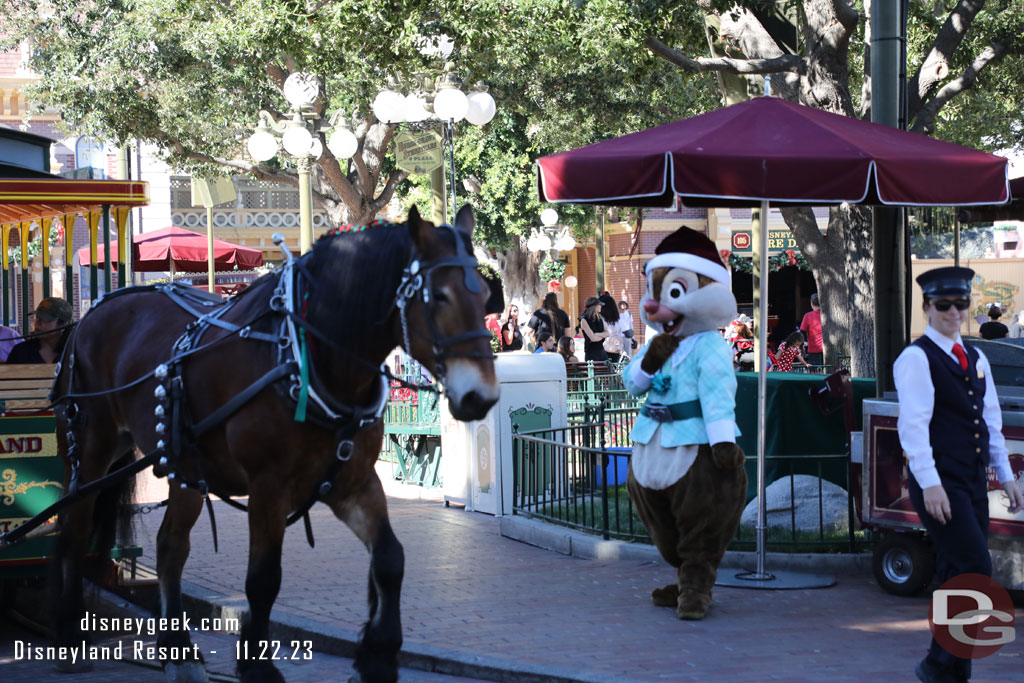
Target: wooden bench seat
25	387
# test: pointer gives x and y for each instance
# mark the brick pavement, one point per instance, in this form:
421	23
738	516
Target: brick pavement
492	607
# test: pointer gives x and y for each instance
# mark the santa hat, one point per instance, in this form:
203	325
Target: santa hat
691	250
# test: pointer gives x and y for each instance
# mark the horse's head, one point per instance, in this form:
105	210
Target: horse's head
444	308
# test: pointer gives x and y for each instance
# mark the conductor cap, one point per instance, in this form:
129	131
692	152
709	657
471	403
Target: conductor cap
950	281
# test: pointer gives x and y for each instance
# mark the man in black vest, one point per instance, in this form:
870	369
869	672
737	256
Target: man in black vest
950	427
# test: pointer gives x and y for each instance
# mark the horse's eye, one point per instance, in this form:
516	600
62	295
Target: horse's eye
441	298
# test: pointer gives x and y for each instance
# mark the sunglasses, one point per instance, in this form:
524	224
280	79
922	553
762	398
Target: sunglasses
944	304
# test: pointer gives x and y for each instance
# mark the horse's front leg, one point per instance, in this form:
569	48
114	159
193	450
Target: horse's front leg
263	581
172	549
366	513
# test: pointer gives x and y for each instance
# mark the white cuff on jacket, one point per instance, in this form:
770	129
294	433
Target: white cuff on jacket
721	431
640	378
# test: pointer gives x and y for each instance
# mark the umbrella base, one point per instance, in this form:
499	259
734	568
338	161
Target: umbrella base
777	580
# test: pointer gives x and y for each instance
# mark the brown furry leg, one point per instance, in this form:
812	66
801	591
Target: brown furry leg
707	504
655	510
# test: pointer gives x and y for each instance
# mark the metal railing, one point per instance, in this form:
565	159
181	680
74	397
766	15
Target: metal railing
575	476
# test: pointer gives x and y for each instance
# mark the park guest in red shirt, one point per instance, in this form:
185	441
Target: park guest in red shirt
811	326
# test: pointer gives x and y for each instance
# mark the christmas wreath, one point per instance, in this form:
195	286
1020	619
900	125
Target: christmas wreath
551	270
785	259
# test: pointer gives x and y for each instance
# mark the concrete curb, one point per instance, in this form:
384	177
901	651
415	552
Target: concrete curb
332	640
586	546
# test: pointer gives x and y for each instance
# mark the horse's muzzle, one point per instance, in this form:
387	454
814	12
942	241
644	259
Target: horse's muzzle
471	406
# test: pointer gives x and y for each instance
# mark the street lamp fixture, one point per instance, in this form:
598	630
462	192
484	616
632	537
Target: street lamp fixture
433	100
551	237
300	136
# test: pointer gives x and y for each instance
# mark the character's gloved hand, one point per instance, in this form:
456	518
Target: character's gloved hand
727	455
661	348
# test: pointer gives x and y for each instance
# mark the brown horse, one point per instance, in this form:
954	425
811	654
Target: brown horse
276	395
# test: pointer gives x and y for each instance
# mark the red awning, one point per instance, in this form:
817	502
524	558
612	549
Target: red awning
771	149
153	252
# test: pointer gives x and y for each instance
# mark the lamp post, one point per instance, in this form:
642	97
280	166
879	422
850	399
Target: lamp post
551	237
434	100
300	136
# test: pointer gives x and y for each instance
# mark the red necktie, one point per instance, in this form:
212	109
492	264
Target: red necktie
958	351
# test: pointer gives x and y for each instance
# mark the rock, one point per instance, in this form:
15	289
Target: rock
834	511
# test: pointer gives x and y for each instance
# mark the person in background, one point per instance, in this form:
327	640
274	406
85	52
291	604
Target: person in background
593	330
615	342
994	329
811	327
626	319
567	348
1016	330
549	318
511	337
789	350
545	343
950	427
52	318
9	338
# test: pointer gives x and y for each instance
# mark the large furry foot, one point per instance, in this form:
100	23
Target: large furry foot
692	605
665	597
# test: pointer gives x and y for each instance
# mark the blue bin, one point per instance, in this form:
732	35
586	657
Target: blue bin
616	470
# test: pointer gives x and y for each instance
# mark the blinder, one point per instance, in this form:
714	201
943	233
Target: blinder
417	280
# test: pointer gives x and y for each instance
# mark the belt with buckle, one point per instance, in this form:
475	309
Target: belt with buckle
675	411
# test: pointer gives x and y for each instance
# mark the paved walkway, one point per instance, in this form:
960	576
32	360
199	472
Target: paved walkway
481	605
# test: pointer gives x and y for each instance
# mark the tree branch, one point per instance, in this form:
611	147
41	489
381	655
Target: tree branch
846	13
394	180
785	63
935	66
925	120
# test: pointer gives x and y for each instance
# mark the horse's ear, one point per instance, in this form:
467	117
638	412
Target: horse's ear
419	228
465	221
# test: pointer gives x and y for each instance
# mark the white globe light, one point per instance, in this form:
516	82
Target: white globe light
342	143
262	145
389	106
416	108
549	217
450	104
543	242
571	282
481	108
531	243
301	89
297	141
565	243
316	150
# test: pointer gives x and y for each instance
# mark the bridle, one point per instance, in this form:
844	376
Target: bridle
417	283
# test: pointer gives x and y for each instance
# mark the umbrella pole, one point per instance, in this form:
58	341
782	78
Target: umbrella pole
760	577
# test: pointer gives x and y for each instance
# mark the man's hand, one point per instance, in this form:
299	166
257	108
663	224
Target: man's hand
660	350
936	502
1016	498
727	455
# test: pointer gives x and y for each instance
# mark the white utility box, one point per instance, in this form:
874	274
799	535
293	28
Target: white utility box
476	461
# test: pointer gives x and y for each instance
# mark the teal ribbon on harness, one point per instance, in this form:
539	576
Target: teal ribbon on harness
300	406
678	411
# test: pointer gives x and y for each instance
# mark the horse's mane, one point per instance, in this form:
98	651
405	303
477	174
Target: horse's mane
355	272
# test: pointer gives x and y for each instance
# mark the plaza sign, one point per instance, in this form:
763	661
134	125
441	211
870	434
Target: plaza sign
778	241
418	151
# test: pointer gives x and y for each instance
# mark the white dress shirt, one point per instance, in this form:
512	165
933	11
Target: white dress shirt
917	401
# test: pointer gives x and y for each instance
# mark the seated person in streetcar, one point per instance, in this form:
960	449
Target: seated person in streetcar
52	318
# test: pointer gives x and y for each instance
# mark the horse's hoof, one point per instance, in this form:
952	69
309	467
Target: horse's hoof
185	672
66	666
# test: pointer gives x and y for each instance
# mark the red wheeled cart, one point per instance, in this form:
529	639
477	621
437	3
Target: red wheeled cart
904	562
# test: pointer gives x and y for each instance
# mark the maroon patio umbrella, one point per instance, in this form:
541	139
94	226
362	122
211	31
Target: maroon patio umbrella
774	150
1014	211
764	151
180	250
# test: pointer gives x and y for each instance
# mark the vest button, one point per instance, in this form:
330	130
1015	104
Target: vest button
977	436
975	407
975	422
977	450
970	393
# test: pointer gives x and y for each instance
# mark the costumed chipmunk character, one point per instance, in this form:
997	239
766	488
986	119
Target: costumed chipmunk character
686	475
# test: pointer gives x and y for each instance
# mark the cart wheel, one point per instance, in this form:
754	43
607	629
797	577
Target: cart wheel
904	564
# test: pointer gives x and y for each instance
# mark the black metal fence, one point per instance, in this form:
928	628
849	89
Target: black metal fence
575	476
